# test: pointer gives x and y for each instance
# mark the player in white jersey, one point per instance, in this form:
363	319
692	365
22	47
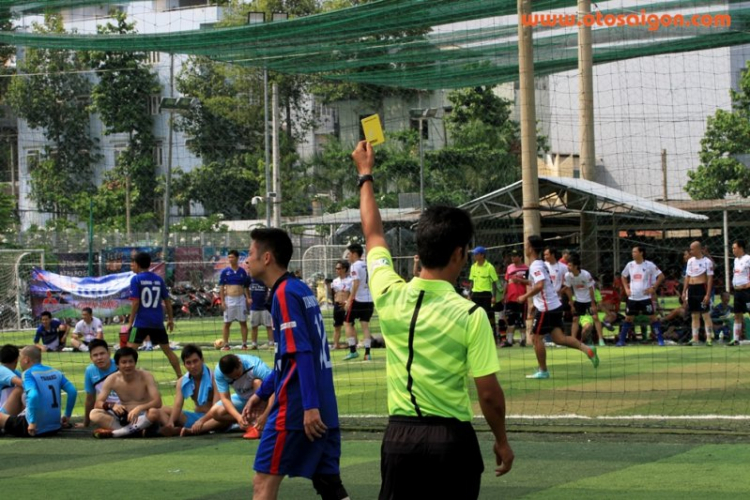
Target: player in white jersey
340	290
556	269
741	284
549	311
641	278
359	305
699	280
86	330
579	288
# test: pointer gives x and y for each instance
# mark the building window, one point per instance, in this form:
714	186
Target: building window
159	154
153	104
32	159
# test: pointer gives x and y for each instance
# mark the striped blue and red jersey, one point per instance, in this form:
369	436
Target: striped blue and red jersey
302	374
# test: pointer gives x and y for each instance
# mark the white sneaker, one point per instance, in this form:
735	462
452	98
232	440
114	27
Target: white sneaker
68	349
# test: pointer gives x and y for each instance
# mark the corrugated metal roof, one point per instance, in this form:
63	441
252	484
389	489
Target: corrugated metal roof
554	196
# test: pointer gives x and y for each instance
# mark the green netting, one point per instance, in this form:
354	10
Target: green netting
409	43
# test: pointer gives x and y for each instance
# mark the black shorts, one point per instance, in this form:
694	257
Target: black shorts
158	336
360	311
484	300
429	458
696	295
581	308
515	314
741	301
18	426
639	307
339	315
546	321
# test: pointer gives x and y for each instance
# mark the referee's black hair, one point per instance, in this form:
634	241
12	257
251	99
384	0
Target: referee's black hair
740	243
276	241
641	249
441	230
9	353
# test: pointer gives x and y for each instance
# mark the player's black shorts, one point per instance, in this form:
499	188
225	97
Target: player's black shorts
360	311
158	335
581	308
741	301
639	307
429	457
515	314
546	321
484	300
18	426
339	315
696	295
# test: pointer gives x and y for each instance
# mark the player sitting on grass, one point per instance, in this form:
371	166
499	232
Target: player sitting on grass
245	374
42	386
52	333
86	330
139	397
96	373
11	383
197	384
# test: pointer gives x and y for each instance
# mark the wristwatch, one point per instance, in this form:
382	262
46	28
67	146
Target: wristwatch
364	178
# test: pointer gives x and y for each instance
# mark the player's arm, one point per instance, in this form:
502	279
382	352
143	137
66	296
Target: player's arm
314	426
87	407
592	294
264	393
492	403
170	314
709	286
222	292
135	303
537	288
179	401
626	284
100	331
226	400
32	402
372	224
72	393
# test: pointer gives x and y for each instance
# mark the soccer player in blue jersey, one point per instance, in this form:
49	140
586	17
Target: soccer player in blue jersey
245	374
11	383
147	292
42	385
301	436
96	373
234	290
52	333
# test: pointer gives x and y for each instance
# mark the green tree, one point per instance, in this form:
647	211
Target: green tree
121	97
725	143
50	93
7	213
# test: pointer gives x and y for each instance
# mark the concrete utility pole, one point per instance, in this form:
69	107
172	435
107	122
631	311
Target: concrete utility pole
276	154
529	171
665	195
589	245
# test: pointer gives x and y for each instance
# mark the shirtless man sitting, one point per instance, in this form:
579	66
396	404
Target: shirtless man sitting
139	399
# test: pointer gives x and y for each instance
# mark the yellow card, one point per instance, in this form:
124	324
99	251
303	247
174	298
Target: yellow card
373	130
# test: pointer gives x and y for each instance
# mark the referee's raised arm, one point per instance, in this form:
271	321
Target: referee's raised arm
372	225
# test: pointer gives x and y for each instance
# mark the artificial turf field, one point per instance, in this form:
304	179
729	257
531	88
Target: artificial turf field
555	457
565	466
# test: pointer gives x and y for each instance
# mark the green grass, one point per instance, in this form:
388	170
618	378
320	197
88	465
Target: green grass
546	467
636	380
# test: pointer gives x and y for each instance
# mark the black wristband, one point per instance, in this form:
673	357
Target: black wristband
364	178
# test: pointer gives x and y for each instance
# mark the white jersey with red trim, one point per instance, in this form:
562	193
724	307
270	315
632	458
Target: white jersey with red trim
547	299
581	285
698	267
642	277
741	271
557	274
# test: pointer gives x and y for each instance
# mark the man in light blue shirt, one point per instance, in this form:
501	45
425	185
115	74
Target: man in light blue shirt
11	383
42	385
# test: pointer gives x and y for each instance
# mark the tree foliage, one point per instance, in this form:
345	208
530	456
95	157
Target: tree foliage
724	147
50	93
121	97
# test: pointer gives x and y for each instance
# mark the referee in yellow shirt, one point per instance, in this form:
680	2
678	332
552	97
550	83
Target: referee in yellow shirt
435	341
483	278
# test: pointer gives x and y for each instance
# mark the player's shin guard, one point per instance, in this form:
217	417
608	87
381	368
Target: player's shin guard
352	342
737	331
656	327
624	330
329	486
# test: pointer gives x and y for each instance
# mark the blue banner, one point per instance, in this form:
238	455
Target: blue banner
65	296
